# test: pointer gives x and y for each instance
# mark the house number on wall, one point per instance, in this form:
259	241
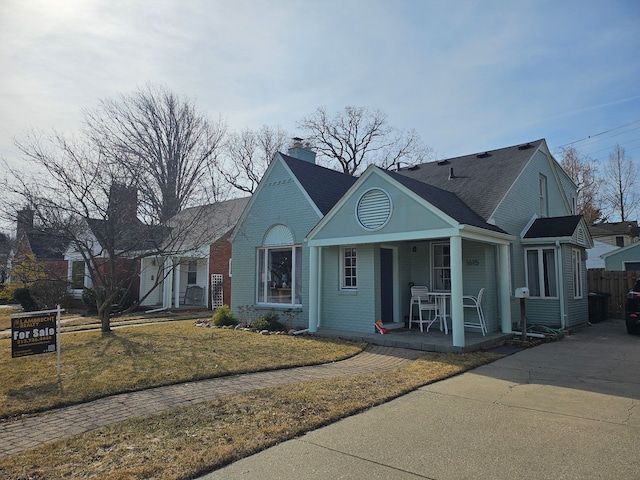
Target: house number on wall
473	263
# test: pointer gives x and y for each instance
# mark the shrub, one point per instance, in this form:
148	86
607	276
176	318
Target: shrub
223	317
23	296
89	300
48	294
123	300
269	321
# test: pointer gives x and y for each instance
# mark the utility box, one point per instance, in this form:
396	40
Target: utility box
522	292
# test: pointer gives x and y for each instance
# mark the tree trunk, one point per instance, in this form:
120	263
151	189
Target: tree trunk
105	319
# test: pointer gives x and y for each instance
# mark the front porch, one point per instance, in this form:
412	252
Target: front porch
432	341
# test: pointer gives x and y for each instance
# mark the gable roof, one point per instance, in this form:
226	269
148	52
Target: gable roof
128	236
569	228
480	179
46	245
616	251
607	229
204	224
324	186
553	227
445	201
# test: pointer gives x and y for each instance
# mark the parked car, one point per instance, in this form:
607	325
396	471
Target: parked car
632	310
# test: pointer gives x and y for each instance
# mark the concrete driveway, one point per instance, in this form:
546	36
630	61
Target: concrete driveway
564	410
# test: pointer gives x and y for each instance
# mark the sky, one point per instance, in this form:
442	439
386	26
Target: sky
468	76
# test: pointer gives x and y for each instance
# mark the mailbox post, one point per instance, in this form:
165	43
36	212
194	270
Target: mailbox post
522	293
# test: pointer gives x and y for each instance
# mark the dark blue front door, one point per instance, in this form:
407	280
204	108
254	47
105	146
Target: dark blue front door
386	284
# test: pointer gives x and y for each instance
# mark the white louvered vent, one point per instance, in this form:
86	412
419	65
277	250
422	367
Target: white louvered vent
581	237
278	235
374	209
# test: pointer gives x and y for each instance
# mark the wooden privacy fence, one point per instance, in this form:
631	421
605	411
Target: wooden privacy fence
616	284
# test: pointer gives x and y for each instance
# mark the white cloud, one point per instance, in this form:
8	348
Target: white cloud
468	76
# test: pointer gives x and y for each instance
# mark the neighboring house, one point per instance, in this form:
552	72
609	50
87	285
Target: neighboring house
341	252
623	259
619	234
121	232
47	248
5	251
197	274
594	255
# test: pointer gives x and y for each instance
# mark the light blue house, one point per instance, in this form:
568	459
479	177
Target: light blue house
623	259
338	252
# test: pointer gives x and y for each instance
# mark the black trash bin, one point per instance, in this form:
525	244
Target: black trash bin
598	306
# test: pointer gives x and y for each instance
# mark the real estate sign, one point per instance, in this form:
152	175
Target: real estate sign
33	333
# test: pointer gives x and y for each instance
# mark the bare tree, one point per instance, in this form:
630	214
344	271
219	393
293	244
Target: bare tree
582	171
619	184
248	154
69	184
163	142
360	136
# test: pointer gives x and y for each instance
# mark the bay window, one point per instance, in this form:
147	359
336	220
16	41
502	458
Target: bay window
541	272
576	257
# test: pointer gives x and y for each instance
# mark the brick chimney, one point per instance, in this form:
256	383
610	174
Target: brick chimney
24	221
302	151
123	203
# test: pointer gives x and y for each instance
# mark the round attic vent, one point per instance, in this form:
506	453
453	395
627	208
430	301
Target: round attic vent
374	209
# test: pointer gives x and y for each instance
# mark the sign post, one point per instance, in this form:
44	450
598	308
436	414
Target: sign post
33	333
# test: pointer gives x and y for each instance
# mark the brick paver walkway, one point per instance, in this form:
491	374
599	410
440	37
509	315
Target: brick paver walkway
31	431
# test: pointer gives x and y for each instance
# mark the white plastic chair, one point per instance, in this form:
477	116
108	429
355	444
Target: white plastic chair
420	296
469	301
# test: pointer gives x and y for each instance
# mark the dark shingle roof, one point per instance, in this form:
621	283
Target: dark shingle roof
128	236
480	180
325	186
445	201
615	228
46	245
553	227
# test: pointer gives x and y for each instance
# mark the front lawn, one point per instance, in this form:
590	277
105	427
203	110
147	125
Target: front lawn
96	365
188	442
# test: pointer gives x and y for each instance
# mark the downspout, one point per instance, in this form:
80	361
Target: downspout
560	284
313	290
319	314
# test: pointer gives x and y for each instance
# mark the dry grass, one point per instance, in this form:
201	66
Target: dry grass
5	316
188	442
96	365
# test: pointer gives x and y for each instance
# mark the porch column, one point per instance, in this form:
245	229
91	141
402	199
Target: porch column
313	288
504	286
167	282
457	310
176	286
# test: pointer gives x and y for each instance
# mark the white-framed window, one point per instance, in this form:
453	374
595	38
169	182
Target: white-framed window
192	272
349	269
77	274
280	275
540	267
543	196
441	266
576	259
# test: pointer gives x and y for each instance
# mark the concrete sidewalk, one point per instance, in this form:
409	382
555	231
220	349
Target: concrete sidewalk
564	410
32	431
